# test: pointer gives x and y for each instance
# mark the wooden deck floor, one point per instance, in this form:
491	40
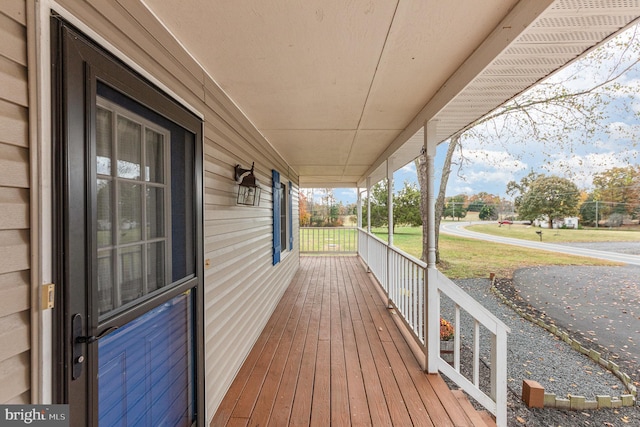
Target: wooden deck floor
331	354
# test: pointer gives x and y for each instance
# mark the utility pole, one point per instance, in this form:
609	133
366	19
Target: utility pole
596	214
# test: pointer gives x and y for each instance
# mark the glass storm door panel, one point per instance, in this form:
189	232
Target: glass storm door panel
132	207
129	240
145	374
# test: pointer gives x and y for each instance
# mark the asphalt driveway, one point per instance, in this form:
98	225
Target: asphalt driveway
599	306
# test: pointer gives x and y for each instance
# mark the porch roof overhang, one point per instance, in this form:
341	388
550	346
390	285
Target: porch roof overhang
338	87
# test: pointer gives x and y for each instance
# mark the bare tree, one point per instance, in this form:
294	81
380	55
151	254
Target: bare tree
561	111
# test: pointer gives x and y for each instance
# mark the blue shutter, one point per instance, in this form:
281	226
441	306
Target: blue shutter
290	216
276	216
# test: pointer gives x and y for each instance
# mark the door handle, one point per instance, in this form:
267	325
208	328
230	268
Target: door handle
94	338
79	340
76	351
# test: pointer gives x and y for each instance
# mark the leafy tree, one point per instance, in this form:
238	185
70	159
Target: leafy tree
455	207
406	206
620	187
518	189
548	196
379	215
476	206
590	211
303	213
488	212
478	201
334	215
558	112
454	211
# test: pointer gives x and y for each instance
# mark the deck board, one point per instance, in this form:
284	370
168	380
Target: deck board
340	414
331	354
303	392
358	407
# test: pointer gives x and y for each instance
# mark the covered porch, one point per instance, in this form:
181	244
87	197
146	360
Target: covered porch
332	353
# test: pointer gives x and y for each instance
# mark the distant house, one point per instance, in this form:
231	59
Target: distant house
568	222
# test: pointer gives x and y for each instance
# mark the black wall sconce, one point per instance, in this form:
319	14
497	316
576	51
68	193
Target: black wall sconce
249	188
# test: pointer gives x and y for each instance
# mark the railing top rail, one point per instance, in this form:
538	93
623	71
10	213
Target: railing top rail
397	250
330	228
410	257
373	236
464	300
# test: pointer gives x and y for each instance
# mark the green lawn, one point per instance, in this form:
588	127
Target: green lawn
468	258
527	232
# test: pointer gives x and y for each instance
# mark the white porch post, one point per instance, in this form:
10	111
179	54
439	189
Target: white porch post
390	198
433	296
369	204
390	270
359	208
368	222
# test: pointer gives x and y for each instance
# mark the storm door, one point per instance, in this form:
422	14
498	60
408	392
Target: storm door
129	227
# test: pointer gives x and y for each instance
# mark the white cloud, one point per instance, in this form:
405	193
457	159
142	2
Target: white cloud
485	170
624	131
460	189
492	159
490	176
581	168
409	167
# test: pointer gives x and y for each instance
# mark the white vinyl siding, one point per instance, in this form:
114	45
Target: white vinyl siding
241	286
15	275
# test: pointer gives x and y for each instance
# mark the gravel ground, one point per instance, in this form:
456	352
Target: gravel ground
535	354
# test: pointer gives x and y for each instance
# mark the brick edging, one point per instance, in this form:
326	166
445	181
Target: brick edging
577	402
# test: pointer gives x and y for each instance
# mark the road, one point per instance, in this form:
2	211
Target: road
458	229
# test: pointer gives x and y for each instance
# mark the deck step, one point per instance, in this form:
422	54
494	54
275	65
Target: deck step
478	418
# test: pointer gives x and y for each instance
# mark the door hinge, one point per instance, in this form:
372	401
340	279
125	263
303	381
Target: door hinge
48	296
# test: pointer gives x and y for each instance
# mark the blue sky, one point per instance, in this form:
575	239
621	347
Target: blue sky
491	158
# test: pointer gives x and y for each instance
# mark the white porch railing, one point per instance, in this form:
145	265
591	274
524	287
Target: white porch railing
403	279
325	240
377	254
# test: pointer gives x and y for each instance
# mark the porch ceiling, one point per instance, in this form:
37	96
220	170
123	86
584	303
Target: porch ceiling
339	86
